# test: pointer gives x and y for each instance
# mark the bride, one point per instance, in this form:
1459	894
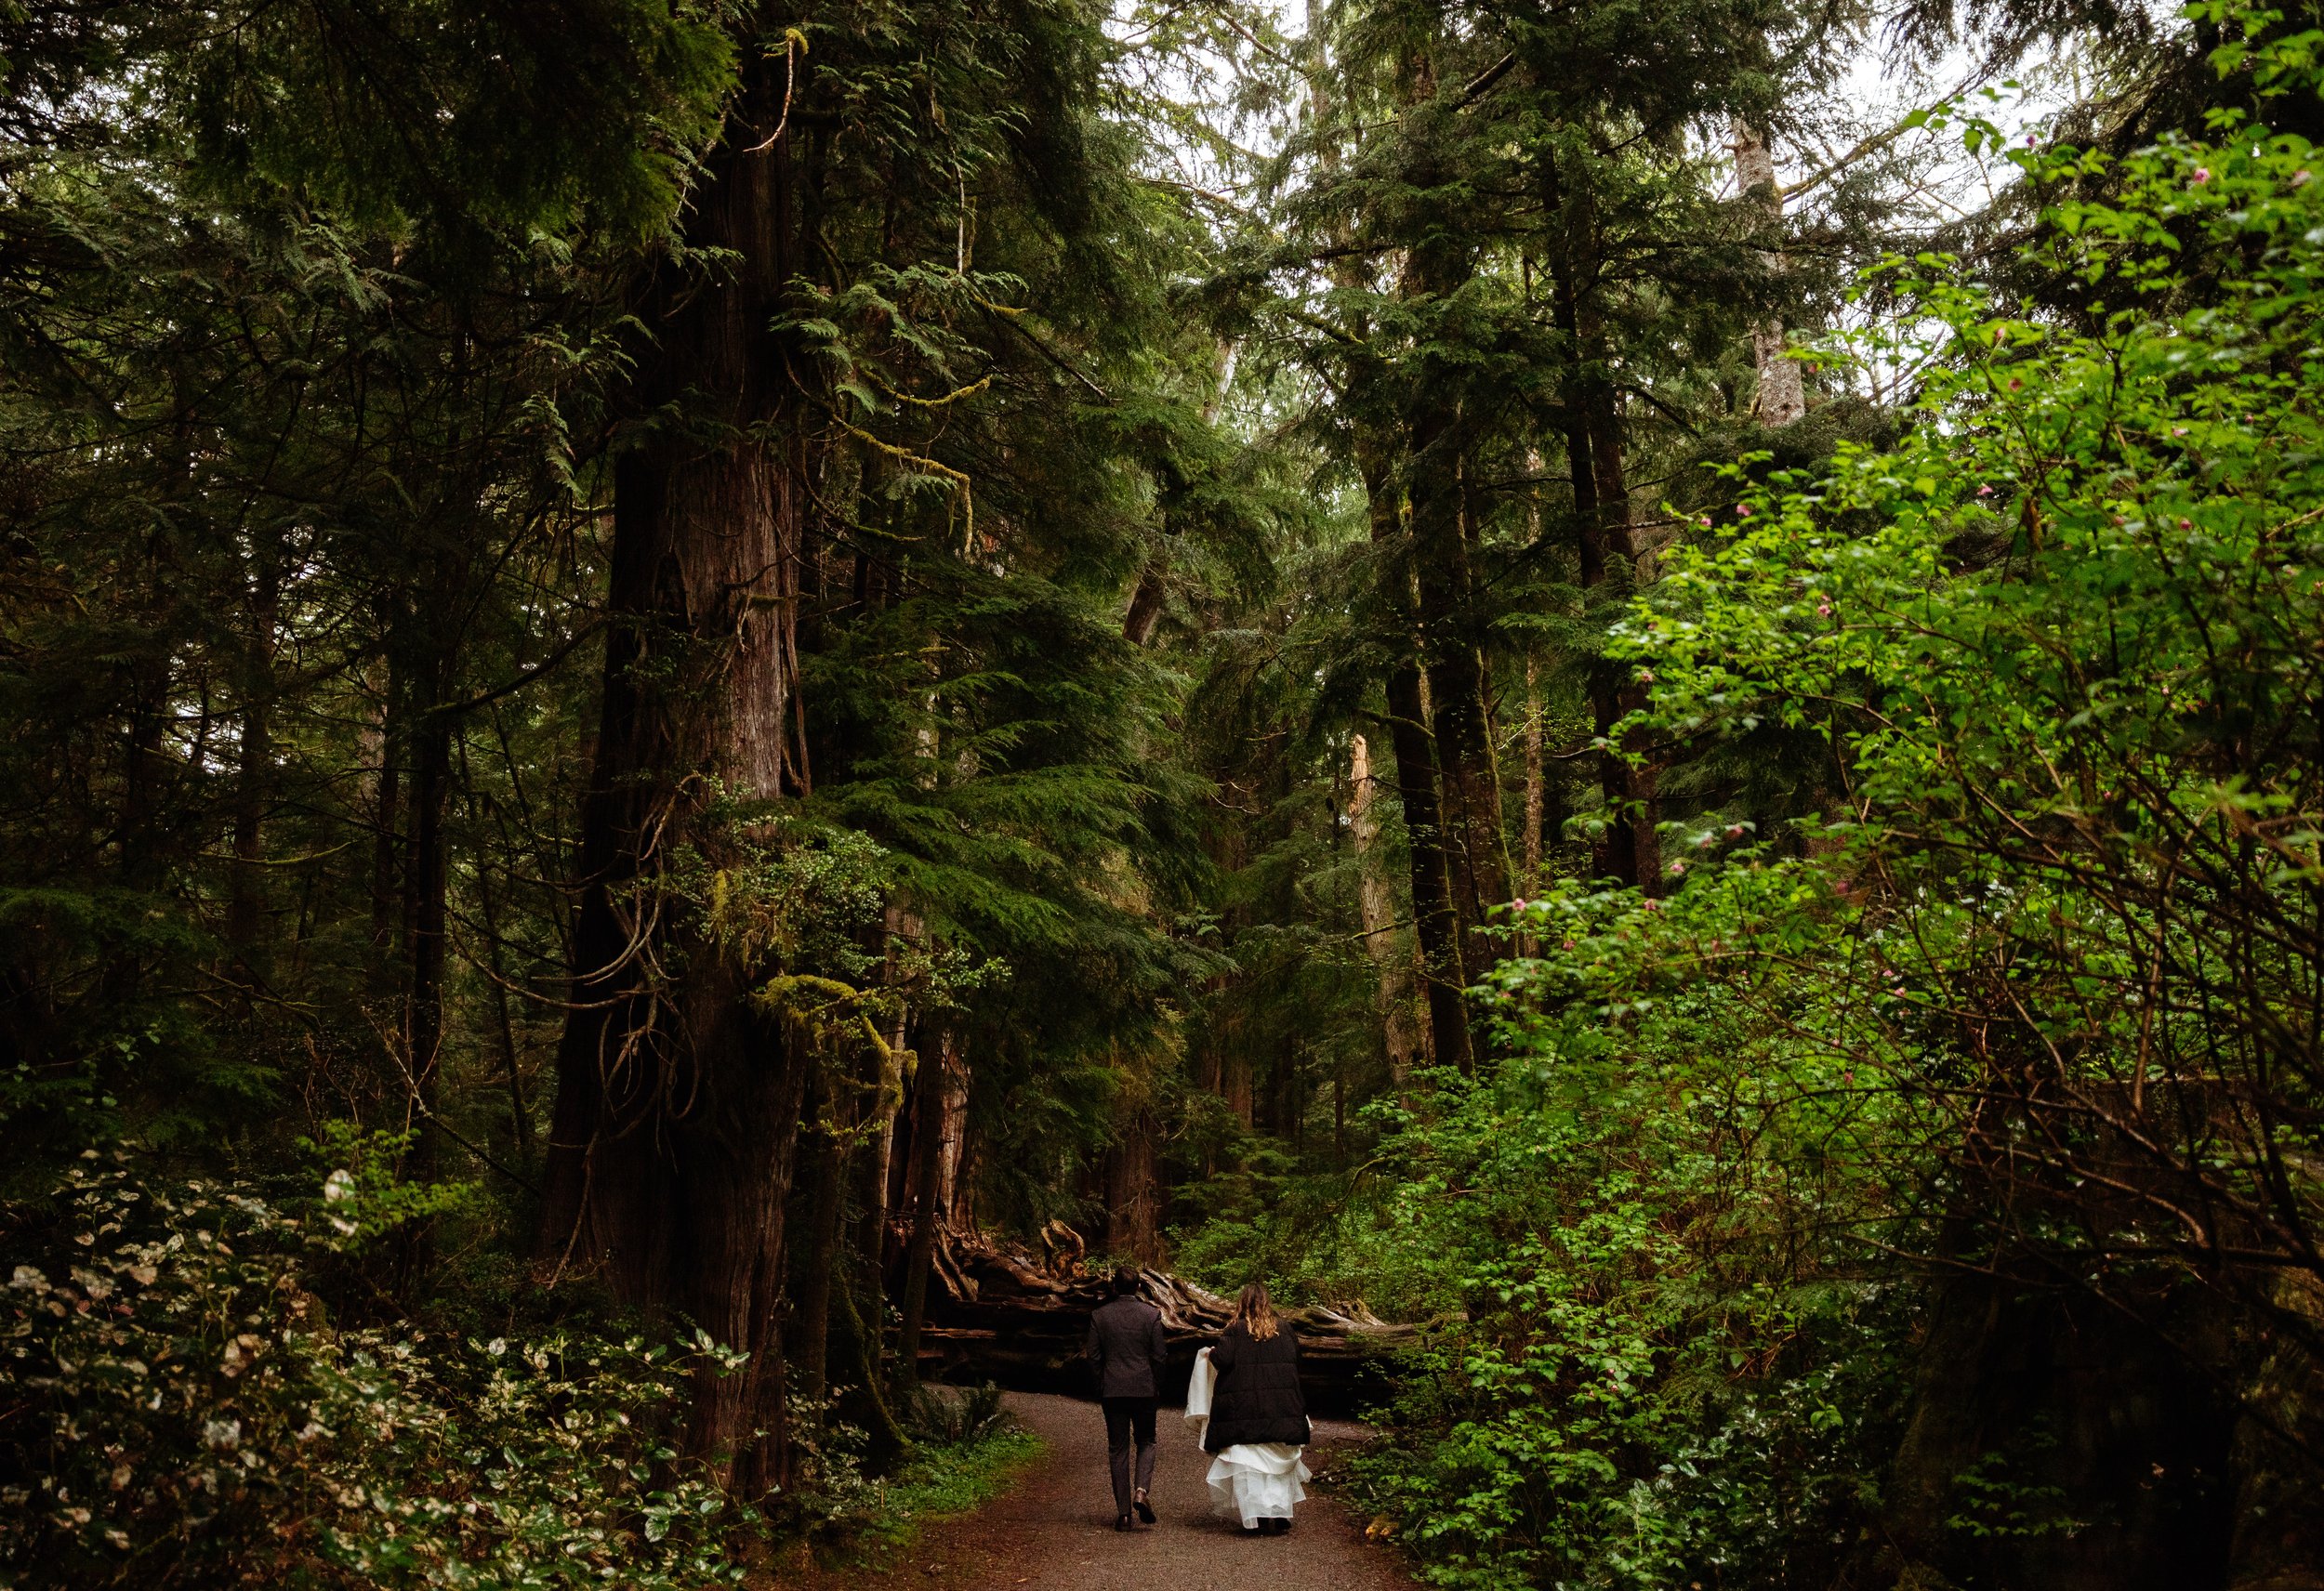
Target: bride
1247	1390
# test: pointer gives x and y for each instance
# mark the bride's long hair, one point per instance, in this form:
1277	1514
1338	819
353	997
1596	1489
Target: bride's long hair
1255	1313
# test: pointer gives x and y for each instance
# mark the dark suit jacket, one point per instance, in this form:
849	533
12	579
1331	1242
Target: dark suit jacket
1127	1348
1258	1397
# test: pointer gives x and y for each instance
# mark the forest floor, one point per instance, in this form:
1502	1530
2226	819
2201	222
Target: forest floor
1053	1530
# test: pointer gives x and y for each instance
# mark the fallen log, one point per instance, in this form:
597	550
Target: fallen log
1005	1315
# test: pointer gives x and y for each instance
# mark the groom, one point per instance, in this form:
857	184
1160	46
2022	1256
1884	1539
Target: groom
1128	1352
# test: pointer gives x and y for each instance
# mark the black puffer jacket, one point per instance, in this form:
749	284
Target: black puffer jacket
1258	1397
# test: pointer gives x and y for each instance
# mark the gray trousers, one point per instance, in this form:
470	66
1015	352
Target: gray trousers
1125	1418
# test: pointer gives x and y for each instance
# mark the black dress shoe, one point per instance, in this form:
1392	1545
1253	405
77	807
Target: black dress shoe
1122	1524
1145	1510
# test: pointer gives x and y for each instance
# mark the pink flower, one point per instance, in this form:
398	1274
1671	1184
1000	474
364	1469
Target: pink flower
1734	831
2202	175
1822	610
2302	178
2178	430
1742	510
1569	944
1704	521
1986	491
1654	905
2014	384
1646	676
1517	905
2187	525
1677	868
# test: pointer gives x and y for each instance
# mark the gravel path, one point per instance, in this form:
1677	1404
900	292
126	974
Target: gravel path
1055	1530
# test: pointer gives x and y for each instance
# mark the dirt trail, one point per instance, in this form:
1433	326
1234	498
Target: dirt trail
1055	1530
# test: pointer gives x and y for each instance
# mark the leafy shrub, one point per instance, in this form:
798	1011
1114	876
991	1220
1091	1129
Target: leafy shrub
2051	984
180	1408
1653	1362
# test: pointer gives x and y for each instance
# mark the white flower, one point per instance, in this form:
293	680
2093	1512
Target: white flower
338	1186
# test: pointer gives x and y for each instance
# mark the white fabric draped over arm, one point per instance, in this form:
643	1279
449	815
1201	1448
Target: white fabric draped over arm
1198	1395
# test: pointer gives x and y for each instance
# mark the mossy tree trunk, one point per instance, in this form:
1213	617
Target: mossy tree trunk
670	1157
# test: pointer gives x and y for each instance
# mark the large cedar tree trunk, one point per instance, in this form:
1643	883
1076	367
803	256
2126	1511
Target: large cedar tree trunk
677	1105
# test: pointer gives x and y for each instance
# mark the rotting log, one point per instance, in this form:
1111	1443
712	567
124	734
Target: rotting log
1001	1314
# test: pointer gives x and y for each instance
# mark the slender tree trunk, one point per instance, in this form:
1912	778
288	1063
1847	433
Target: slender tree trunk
824	1165
425	877
1608	555
520	1113
1145	601
1431	402
670	1155
1529	879
1435	924
1473	773
854	1352
1402	1035
253	774
871	1167
387	825
1433	920
1782	391
919	1256
141	770
1436	932
1476	854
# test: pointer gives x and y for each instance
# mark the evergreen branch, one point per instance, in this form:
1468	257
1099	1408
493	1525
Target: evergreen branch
968	497
509	688
1873	144
1009	317
1482	81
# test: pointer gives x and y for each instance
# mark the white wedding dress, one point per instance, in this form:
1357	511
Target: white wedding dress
1257	1480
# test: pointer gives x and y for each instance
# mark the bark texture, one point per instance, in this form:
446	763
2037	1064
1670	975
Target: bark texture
1400	1030
1628	852
677	1105
926	1195
1434	922
1782	390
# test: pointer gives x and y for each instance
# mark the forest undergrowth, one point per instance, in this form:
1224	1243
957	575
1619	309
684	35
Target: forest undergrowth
1688	1244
